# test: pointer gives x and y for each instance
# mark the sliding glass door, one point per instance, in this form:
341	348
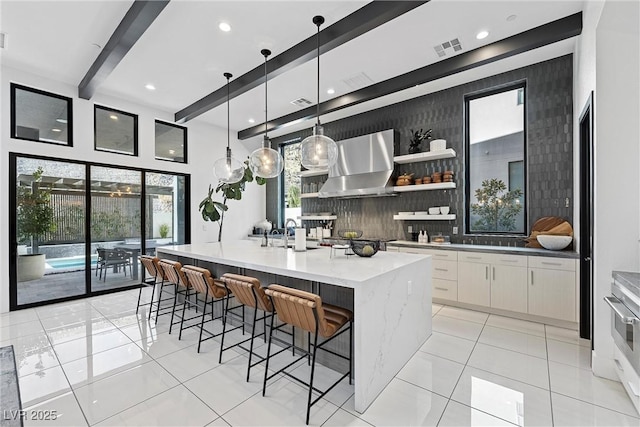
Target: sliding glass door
50	207
116	204
77	229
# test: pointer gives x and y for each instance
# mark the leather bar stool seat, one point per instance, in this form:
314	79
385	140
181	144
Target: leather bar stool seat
172	271
306	310
153	277
212	291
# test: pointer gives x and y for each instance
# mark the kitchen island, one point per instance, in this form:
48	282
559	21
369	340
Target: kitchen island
391	298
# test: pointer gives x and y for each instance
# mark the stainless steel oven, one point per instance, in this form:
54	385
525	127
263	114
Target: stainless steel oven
625	311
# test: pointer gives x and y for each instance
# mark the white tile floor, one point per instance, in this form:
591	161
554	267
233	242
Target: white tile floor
95	362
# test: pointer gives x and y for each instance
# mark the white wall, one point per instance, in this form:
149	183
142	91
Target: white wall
206	143
617	160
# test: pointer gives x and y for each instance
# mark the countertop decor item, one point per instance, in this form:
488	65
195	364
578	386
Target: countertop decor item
549	225
438	144
350	234
554	243
416	139
365	248
266	162
228	169
318	151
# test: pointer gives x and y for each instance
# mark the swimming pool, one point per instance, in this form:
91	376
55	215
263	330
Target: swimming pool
69	263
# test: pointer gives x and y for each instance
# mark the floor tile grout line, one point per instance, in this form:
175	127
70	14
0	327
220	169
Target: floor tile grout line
484	412
597	405
511	350
546	346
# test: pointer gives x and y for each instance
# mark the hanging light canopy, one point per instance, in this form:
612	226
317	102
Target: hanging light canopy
318	151
228	169
266	162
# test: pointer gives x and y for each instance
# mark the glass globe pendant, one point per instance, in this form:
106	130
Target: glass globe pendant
318	151
228	169
266	162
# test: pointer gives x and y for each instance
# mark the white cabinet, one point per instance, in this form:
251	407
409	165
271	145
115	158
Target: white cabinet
444	271
509	282
493	280
473	282
552	288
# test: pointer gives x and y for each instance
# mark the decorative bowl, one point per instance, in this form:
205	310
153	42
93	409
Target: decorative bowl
554	243
365	248
438	144
434	211
350	234
444	210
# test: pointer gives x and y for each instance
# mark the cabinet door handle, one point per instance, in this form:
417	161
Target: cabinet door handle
531	277
474	257
551	263
442	289
617	362
441	255
494	273
508	260
486	273
441	269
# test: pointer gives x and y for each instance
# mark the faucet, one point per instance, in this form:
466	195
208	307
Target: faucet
274	232
286	231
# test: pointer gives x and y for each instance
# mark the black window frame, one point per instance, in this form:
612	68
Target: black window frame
12	132
95	130
520	84
184	142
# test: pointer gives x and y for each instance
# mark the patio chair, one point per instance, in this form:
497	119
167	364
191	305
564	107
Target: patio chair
100	260
117	258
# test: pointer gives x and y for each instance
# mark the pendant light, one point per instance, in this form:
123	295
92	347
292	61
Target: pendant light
266	162
318	151
228	169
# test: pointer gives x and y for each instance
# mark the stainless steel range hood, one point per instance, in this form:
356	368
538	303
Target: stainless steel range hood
364	167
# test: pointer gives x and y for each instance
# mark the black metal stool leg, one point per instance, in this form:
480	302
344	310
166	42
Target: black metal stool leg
204	311
173	312
184	307
266	368
253	334
313	367
224	325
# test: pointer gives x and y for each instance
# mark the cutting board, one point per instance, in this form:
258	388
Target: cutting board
548	225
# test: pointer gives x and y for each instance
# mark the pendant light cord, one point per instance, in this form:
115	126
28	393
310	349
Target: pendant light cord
266	53
228	76
318	82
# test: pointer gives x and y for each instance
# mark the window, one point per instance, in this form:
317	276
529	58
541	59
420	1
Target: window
41	116
291	187
171	142
115	131
496	171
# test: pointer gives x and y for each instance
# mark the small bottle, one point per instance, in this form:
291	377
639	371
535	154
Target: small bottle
265	240
421	237
426	237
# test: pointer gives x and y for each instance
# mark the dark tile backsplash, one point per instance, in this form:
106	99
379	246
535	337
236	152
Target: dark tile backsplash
549	111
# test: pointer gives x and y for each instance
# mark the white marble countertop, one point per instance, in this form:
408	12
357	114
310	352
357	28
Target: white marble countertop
515	250
314	265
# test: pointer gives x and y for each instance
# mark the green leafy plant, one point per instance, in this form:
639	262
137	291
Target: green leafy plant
163	229
496	206
35	215
293	198
213	210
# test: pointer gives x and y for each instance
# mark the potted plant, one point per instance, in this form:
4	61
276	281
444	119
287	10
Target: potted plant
212	210
163	229
35	217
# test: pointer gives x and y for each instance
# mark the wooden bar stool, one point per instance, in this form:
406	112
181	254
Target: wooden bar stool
203	282
305	310
249	293
172	271
153	277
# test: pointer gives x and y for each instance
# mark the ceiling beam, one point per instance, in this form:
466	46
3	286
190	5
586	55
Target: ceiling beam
138	18
348	28
543	35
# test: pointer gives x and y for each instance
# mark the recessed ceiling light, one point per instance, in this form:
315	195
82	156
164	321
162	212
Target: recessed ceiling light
511	18
252	121
149	86
172	151
56	130
482	35
331	91
224	27
113	117
61	120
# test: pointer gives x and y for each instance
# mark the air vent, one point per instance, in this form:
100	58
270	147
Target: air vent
301	102
3	40
358	81
441	49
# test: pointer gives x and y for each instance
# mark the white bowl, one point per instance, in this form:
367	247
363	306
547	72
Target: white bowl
405	213
554	243
444	210
434	211
438	144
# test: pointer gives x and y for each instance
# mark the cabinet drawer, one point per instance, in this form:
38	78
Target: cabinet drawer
512	260
442	255
444	289
475	257
447	270
413	250
552	263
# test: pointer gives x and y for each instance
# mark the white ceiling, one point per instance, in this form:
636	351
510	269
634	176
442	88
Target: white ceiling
184	54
